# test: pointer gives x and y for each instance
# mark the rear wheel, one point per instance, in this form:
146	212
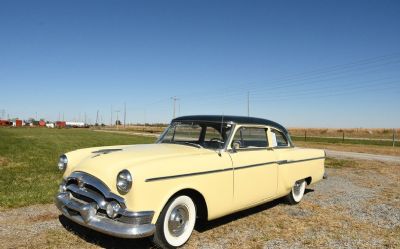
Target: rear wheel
175	223
297	192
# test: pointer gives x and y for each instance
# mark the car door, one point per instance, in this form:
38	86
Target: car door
254	165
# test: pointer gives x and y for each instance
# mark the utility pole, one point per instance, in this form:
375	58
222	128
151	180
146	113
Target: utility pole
97	118
117	120
174	99
248	103
85	118
111	123
63	117
2	113
124	114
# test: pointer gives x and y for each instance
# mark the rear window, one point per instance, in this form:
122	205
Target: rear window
251	137
279	139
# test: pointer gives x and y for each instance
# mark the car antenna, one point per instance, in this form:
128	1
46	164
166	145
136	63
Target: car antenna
222	125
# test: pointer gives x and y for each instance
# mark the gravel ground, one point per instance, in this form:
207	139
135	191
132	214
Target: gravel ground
362	156
356	207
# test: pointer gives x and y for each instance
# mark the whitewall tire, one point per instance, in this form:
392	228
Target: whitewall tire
175	223
297	192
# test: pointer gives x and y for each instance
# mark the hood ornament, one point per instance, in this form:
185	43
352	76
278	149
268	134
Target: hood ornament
104	151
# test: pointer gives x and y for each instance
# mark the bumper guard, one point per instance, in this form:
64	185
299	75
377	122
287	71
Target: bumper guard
86	215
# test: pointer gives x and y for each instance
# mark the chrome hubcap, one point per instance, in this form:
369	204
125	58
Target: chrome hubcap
297	188
177	220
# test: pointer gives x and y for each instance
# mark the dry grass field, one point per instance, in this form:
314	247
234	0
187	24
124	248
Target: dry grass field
358	206
372	149
368	133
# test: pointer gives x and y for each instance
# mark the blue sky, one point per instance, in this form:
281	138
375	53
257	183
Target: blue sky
304	63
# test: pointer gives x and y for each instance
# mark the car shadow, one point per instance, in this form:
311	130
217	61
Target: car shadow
308	191
207	225
107	241
101	239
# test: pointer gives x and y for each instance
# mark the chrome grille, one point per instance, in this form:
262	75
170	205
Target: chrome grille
83	184
91	192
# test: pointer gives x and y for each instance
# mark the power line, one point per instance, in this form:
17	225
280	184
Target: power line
317	73
294	82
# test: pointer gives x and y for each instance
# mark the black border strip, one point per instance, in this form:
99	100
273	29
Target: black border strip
227	169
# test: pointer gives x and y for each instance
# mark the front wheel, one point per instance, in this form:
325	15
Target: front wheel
175	223
297	192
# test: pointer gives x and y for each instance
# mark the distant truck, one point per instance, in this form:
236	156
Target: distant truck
75	124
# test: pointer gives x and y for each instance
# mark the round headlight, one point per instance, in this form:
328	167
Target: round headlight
124	181
112	209
62	162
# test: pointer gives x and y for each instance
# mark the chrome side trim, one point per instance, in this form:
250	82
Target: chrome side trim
254	165
186	175
227	169
302	160
85	215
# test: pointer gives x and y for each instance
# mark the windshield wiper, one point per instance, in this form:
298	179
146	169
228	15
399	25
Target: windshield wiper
192	144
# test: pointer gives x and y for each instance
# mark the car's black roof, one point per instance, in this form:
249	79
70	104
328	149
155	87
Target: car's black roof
227	119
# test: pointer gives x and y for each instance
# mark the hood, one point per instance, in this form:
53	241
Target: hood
106	162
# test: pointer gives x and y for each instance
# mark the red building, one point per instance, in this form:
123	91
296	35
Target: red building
61	124
17	123
5	123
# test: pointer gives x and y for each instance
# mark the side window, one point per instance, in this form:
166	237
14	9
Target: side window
279	139
212	134
251	137
213	138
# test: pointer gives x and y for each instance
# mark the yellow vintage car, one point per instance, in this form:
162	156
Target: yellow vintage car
201	168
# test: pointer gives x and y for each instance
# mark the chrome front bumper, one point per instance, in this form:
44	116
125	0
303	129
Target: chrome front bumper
88	216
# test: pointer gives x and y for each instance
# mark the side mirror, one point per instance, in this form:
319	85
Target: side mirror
235	146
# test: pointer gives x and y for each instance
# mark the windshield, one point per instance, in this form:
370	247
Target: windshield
198	134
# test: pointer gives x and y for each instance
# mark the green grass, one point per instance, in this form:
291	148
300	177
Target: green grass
339	140
28	160
339	163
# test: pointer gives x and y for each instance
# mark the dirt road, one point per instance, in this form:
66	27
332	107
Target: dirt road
357	207
362	156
